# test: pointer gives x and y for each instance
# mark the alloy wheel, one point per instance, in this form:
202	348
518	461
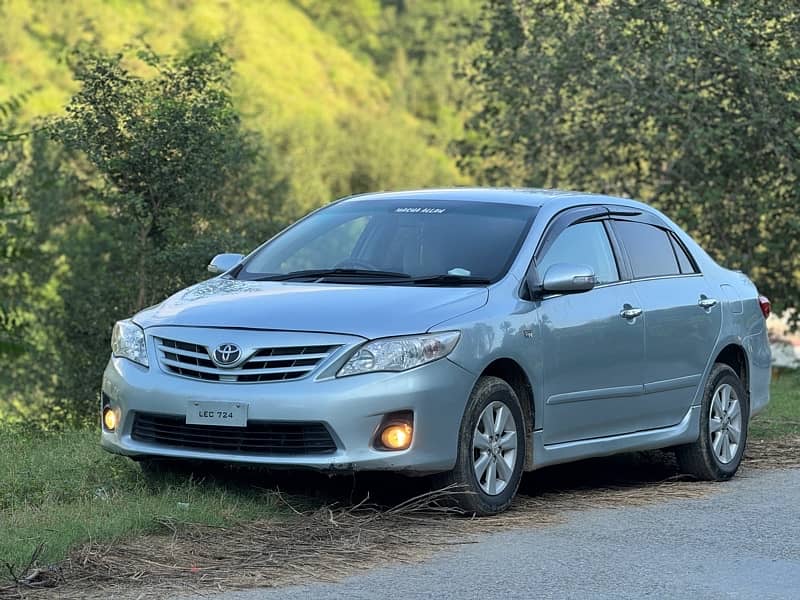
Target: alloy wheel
725	423
494	448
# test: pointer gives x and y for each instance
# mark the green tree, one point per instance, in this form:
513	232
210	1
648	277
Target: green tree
422	45
691	105
414	45
13	221
168	151
165	171
14	230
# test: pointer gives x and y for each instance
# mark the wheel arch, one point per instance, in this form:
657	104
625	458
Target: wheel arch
514	375
735	356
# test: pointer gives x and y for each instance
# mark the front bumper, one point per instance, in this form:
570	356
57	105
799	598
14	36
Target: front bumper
351	407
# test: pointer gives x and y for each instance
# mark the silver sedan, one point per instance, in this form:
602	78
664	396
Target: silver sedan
468	334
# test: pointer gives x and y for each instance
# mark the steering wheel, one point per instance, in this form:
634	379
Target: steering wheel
355	263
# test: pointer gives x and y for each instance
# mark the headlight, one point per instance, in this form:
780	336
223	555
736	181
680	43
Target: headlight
127	341
400	353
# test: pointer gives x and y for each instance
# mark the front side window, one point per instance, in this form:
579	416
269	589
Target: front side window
583	244
415	239
649	249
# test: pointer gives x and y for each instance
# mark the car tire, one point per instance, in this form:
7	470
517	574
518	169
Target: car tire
725	410
487	463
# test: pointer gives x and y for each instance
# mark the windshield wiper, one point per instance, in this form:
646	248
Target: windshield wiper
450	280
347	273
377	276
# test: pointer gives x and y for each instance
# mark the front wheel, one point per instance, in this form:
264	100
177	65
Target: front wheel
491	449
725	411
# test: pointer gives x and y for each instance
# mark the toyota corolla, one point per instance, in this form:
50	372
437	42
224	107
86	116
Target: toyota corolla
469	334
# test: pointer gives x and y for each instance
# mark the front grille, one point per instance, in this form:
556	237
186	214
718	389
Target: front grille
265	364
257	438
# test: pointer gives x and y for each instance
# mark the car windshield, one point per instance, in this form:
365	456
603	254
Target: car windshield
432	242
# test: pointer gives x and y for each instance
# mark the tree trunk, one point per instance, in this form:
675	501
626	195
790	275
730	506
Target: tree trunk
144	232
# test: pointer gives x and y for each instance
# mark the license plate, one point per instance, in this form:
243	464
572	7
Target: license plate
225	414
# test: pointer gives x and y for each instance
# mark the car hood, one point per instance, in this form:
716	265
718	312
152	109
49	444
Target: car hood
370	311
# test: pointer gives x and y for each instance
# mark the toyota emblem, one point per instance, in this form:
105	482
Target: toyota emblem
227	354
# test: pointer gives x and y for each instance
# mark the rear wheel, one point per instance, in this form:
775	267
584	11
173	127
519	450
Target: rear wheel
491	449
725	412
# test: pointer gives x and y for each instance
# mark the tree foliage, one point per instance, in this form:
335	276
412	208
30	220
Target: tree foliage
162	158
691	105
167	150
163	153
414	45
14	231
302	68
126	197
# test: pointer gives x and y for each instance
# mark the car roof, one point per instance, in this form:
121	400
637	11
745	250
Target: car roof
518	196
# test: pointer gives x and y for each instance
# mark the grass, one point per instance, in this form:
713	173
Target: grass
782	417
61	489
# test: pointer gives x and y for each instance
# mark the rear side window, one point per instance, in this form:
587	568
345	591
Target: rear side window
649	249
685	261
583	244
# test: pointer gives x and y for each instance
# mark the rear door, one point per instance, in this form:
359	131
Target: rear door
592	355
682	316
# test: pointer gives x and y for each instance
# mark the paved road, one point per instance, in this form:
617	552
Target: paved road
743	542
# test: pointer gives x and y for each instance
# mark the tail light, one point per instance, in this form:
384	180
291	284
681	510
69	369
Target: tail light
766	307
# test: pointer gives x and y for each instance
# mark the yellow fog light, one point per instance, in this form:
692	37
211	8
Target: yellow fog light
110	418
396	436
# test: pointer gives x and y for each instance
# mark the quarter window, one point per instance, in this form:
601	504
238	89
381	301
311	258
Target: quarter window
685	262
649	249
583	244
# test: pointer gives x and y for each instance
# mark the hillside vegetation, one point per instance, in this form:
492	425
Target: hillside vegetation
140	137
341	117
311	101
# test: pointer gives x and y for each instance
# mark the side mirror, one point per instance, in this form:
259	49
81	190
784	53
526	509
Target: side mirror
224	262
567	278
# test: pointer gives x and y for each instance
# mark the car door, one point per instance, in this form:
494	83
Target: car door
592	342
682	317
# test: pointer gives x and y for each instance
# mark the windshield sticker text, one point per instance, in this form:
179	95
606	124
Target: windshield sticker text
419	209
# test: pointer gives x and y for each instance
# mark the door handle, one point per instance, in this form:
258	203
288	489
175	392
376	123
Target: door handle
629	312
706	302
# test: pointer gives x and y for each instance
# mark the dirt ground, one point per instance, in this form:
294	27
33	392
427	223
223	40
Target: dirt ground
359	524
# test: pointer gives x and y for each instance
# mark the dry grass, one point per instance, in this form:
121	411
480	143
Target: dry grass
341	538
774	453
